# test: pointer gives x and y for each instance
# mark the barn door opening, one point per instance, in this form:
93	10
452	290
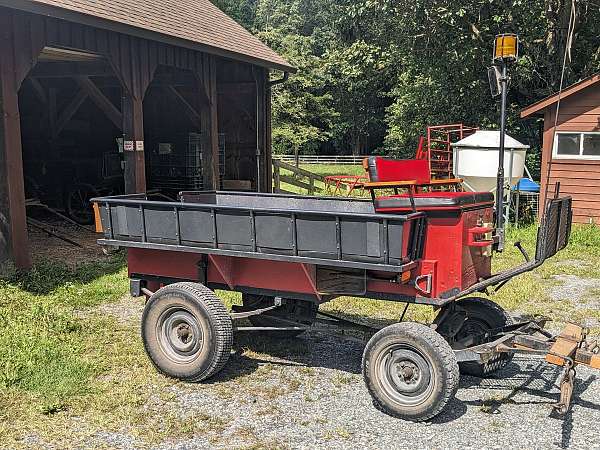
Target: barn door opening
71	134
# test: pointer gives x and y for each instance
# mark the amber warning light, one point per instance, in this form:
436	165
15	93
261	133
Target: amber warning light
506	47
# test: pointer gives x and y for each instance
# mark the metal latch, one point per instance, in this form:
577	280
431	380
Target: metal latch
428	283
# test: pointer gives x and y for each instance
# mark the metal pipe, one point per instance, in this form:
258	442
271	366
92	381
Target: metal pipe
500	177
286	76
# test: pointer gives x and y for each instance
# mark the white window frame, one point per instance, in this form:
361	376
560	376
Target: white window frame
581	134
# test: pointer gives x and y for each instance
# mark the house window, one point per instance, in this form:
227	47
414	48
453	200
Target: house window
577	145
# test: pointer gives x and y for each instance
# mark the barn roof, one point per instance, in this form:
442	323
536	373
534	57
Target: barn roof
196	24
537	107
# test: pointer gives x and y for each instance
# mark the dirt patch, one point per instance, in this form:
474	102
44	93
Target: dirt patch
47	247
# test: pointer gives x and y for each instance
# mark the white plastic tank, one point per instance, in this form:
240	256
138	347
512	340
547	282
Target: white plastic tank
476	160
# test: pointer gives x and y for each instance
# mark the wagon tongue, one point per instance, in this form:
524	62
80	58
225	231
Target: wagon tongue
571	348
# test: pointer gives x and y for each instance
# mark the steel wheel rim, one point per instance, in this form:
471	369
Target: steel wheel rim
179	335
405	374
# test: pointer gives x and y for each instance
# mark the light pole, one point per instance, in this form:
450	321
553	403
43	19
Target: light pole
506	50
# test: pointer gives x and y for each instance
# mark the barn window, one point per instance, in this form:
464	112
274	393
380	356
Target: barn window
577	145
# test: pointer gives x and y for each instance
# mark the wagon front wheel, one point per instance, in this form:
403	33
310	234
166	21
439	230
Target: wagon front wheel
410	371
187	331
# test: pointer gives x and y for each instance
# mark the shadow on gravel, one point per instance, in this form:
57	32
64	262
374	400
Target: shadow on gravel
312	349
534	377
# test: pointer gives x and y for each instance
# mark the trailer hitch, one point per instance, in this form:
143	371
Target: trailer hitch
570	348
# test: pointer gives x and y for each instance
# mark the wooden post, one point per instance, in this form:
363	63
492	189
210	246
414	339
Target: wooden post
276	176
133	135
210	123
13	221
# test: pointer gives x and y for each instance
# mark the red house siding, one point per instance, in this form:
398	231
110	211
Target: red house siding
578	178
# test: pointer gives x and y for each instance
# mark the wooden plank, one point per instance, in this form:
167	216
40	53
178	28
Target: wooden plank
566	344
101	101
576	162
11	159
579	127
575	181
587	205
298	170
578	189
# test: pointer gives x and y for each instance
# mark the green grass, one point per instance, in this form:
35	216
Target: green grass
323	170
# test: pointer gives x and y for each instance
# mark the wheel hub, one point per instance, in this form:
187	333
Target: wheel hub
179	335
405	375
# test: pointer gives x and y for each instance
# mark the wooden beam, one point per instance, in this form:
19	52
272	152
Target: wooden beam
101	101
13	222
72	69
133	130
210	127
68	112
39	90
190	111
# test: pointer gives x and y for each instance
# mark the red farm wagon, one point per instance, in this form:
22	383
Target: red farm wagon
423	242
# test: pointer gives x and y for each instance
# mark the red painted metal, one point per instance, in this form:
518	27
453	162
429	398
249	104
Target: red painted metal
349	182
456	254
438	151
402	169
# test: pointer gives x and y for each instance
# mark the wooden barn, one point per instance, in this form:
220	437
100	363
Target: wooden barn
571	146
126	96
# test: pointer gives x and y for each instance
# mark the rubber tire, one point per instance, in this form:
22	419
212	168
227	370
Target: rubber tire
301	311
439	356
211	315
485	310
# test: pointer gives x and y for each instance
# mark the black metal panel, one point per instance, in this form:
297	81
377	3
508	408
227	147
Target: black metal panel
195	226
350	239
274	231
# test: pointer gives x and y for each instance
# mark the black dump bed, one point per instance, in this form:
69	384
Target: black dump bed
320	230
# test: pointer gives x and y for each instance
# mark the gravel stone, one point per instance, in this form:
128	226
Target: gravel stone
322	403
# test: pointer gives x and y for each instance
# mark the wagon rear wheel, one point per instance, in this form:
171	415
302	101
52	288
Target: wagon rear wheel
300	311
482	315
410	371
77	203
187	331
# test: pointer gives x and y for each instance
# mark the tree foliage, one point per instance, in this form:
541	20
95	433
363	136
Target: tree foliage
375	73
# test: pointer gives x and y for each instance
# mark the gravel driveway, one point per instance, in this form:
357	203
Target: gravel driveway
310	394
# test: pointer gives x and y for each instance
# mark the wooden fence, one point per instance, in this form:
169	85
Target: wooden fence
322	159
300	178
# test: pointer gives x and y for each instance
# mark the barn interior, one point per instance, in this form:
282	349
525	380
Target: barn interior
72	131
